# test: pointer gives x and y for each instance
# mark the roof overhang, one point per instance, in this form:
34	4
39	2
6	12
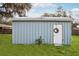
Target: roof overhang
42	19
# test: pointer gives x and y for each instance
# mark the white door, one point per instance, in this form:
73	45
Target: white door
57	32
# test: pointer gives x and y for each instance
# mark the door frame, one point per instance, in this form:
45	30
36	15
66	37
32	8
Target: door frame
53	33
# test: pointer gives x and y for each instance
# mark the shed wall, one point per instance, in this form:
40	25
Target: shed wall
28	32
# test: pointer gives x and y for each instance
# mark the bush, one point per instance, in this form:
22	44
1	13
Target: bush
39	40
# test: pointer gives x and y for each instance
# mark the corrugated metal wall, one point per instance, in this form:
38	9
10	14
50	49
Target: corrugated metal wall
28	32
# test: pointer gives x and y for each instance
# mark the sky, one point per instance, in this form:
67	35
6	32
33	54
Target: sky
39	8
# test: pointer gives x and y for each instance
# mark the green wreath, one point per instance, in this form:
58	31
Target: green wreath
56	30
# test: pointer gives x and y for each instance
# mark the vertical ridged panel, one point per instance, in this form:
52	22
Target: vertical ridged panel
65	33
69	33
28	32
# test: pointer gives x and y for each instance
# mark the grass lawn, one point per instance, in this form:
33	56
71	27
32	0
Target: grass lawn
8	49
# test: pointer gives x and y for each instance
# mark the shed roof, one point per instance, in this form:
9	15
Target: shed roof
47	19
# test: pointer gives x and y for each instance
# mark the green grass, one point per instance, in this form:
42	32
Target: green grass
8	49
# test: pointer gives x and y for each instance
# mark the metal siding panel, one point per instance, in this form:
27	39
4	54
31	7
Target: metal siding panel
35	32
69	32
65	33
24	34
39	29
52	23
13	33
16	33
48	37
28	32
32	29
15	38
42	31
46	34
49	32
45	31
19	33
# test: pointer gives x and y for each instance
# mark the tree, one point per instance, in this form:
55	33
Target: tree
45	15
8	10
64	14
70	14
19	8
60	12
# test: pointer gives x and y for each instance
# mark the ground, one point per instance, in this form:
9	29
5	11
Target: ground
8	49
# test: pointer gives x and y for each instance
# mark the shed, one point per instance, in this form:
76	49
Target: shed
53	30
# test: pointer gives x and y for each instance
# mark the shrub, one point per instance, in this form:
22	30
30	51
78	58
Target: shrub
39	40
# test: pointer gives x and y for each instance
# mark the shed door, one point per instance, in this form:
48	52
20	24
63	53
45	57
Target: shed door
57	32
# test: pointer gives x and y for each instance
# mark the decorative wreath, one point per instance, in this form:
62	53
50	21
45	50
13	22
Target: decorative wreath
56	30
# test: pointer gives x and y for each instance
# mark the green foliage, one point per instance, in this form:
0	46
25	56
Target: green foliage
39	40
18	8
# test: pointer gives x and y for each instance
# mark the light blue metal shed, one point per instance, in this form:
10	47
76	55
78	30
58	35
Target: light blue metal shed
54	30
